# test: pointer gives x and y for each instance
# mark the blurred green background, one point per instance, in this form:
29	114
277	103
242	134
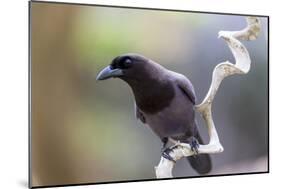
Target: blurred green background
85	131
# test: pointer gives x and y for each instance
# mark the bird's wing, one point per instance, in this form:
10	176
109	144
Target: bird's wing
139	115
185	85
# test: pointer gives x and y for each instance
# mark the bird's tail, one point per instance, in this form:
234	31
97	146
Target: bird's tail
201	162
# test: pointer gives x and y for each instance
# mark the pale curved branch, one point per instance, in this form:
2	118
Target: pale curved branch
222	70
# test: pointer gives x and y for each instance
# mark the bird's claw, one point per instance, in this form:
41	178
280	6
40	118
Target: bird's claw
166	154
194	144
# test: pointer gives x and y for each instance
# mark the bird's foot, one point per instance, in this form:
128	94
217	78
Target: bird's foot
166	154
194	144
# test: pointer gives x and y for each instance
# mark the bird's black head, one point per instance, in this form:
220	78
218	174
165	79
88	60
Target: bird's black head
125	67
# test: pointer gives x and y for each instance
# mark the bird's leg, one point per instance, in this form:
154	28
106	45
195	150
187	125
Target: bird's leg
165	141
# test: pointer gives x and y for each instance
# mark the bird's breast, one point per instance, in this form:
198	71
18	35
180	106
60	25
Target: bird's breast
155	98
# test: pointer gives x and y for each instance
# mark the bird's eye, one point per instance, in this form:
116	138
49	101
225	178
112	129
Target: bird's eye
127	63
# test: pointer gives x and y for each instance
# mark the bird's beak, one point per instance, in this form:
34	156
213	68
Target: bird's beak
107	73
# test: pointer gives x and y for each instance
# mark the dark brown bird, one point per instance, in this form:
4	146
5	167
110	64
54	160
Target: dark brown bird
164	100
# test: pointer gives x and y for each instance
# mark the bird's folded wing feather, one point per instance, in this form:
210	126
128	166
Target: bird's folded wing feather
185	85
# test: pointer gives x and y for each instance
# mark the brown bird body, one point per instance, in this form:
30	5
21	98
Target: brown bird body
164	100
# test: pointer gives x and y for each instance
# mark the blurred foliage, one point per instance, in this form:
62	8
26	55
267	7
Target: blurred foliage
85	131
